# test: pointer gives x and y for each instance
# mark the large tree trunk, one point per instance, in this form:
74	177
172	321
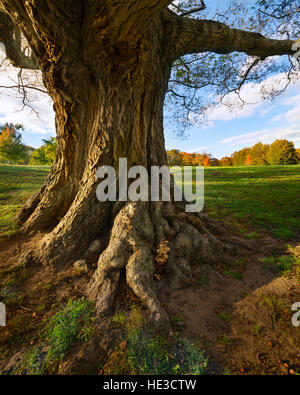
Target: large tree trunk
108	100
106	113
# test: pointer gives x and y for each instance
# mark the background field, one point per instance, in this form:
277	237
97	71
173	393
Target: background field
266	197
253	198
17	183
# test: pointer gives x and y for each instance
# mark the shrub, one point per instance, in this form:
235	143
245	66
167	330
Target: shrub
45	155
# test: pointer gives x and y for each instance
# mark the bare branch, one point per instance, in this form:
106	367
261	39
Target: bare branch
247	72
35	88
282	16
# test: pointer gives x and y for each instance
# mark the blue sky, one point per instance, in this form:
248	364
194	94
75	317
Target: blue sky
229	131
225	132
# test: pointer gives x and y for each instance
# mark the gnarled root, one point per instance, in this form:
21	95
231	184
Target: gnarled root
137	230
46	207
130	247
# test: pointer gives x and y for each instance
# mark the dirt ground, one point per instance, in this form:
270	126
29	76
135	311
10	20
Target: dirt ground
241	315
244	324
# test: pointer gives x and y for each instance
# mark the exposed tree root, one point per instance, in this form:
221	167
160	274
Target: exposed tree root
130	247
137	231
46	207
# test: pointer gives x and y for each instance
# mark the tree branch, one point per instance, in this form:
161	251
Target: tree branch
10	36
286	15
194	36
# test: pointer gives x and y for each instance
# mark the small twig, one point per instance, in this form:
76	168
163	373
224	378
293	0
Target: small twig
24	308
279	16
24	86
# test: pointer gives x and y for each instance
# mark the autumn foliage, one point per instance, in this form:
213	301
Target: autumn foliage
177	158
12	149
281	152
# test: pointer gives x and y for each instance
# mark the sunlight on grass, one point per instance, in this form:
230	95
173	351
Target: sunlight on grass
17	184
262	196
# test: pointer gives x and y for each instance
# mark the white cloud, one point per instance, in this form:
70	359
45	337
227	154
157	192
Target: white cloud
253	95
40	118
292	115
202	149
290	100
266	136
285	125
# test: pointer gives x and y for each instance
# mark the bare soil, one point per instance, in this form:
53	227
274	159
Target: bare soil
240	314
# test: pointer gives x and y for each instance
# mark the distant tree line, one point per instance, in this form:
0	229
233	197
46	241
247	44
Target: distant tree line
281	152
14	151
177	158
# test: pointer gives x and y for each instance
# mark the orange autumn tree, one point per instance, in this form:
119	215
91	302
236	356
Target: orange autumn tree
12	149
206	162
248	160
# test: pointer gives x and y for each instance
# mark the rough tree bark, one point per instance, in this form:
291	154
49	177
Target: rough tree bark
106	66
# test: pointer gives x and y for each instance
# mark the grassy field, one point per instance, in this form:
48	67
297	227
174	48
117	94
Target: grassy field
17	183
252	197
266	197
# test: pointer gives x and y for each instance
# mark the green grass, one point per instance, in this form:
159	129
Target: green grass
148	353
233	274
284	265
119	319
32	362
257	329
260	197
266	197
224	316
17	184
69	324
225	341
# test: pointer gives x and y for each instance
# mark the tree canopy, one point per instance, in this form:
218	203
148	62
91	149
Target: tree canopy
200	81
282	152
212	62
45	155
12	149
